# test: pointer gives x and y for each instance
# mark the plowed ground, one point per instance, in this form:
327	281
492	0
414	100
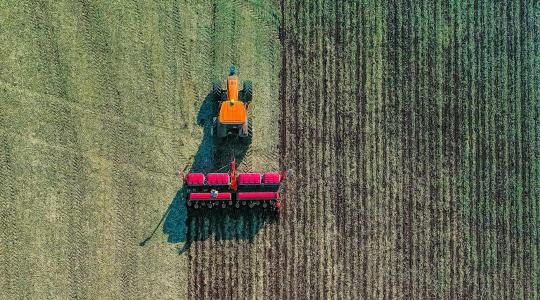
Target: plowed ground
414	131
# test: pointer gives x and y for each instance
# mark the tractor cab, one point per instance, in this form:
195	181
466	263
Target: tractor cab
233	111
232	118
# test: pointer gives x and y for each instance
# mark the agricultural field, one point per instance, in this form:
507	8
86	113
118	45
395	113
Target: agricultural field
412	127
415	130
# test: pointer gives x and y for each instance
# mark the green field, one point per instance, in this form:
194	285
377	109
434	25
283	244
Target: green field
98	110
413	129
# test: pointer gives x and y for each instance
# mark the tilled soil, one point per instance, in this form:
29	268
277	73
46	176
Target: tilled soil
413	129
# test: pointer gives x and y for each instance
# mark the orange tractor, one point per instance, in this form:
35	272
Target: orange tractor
232	189
232	118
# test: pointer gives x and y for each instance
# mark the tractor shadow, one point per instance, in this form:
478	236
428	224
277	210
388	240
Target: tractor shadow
183	225
188	226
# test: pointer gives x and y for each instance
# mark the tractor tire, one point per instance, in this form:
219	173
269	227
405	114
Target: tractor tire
216	91
219	133
215	133
247	92
249	137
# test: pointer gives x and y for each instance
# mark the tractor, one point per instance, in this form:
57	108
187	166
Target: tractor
232	104
232	189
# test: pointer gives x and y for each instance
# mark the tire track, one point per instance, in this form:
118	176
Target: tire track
14	277
98	42
66	135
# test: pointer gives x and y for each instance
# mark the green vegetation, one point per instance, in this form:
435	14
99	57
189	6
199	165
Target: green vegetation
412	127
98	105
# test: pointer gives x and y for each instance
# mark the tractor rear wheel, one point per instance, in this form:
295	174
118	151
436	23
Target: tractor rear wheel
217	132
249	137
247	91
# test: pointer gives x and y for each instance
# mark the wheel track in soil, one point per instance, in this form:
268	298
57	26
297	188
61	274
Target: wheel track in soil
98	40
8	216
66	135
